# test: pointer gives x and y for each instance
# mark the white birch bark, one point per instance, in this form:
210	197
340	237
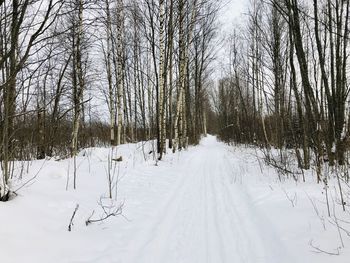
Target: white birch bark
161	101
120	84
180	124
111	91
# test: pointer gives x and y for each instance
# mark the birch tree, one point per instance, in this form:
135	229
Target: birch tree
15	50
119	68
162	76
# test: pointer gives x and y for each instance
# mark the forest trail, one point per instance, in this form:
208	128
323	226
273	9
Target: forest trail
208	216
212	203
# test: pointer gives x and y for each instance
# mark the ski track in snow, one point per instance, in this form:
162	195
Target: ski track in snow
212	203
208	218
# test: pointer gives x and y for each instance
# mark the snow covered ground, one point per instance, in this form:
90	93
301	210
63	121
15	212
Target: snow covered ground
211	203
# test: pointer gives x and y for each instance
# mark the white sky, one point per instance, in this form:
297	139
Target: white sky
232	12
230	15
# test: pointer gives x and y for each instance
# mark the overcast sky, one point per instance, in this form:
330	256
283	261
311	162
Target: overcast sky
230	15
231	12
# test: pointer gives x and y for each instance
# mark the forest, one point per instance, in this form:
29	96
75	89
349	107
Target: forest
286	85
89	74
82	73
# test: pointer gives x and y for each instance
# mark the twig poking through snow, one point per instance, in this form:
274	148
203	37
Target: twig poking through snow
318	250
31	179
317	212
292	200
72	218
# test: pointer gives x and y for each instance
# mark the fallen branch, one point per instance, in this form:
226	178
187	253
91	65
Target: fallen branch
115	212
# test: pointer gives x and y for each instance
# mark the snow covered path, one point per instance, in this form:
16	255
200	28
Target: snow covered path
212	203
207	217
